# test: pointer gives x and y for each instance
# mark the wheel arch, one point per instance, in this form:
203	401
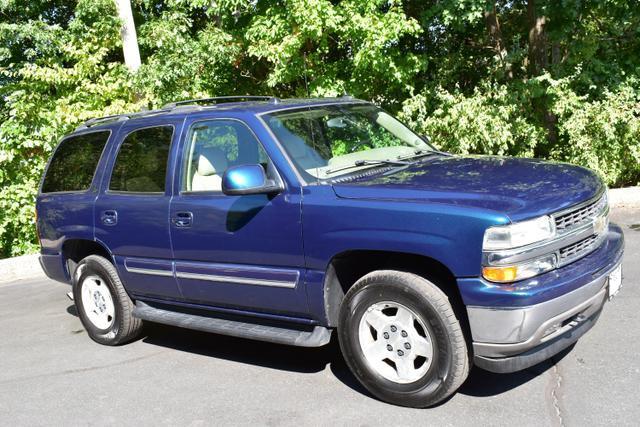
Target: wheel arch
347	267
74	250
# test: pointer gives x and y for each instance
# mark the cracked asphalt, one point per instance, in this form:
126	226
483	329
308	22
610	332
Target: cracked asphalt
53	374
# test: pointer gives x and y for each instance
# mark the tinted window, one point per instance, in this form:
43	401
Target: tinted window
212	147
74	163
141	165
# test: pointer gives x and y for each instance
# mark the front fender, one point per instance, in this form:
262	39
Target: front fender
449	234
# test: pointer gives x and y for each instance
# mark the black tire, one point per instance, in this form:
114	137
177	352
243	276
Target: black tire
450	364
124	327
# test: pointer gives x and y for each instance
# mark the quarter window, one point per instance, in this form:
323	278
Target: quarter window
74	163
213	146
141	165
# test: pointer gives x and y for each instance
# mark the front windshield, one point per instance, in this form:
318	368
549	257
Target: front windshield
332	140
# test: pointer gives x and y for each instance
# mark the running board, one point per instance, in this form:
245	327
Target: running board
316	337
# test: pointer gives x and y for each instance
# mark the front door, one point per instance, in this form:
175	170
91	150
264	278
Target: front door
242	252
131	212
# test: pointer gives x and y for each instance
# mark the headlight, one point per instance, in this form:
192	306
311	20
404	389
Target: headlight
519	234
525	270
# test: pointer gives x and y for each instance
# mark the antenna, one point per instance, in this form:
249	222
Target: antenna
306	83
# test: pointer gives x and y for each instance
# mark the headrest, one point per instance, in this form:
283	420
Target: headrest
211	161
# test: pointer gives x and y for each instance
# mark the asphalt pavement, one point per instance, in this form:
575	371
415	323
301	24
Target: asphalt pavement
51	373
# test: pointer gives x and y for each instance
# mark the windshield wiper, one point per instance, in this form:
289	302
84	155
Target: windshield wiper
400	161
360	163
424	153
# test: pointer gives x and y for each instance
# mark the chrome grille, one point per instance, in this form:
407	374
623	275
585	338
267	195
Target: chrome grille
582	215
579	249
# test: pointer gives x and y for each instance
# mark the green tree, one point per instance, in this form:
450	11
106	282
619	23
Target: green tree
545	78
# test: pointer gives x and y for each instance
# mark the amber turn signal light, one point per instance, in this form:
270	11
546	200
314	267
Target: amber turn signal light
500	274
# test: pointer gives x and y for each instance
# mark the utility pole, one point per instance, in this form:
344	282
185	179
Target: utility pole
129	36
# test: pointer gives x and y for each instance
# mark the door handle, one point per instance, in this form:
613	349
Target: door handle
109	217
183	219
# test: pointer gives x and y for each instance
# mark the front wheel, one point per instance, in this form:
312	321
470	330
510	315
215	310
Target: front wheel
402	340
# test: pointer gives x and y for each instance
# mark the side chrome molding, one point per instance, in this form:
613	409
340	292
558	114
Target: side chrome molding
240	274
238	280
151	272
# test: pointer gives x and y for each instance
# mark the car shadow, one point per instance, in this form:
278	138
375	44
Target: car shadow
480	383
274	356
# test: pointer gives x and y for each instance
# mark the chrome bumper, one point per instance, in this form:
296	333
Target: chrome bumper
505	332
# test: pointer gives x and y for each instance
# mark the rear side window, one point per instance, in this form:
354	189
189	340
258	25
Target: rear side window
141	164
74	163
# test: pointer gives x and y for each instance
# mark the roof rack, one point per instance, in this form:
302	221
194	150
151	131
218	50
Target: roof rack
168	107
97	120
117	118
218	99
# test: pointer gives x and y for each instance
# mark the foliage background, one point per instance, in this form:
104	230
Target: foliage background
555	79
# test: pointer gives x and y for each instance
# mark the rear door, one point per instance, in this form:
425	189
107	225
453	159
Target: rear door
131	211
242	252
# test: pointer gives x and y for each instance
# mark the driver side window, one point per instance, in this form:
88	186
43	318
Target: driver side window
212	147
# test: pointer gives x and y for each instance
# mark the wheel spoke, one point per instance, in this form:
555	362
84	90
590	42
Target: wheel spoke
404	318
377	319
88	287
404	367
87	299
110	311
421	346
376	351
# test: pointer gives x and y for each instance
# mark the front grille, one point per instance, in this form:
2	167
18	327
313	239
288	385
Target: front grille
580	216
578	250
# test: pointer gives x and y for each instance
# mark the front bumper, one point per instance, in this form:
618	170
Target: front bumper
508	338
540	353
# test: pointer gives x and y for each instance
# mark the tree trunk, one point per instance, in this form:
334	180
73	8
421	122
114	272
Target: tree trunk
129	36
537	40
556	55
495	37
537	63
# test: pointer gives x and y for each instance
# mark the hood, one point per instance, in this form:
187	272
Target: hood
519	188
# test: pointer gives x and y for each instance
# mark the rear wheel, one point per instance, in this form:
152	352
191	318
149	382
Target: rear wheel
402	340
103	305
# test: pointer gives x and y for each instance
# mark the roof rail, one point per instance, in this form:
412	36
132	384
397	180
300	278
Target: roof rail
217	99
98	120
168	107
116	118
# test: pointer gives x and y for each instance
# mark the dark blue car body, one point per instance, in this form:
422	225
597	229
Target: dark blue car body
433	212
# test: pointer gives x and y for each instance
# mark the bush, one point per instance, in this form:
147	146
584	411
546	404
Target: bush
490	121
601	134
17	221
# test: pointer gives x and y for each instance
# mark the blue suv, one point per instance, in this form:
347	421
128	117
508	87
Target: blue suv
287	220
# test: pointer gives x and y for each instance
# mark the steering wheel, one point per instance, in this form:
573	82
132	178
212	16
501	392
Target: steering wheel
363	143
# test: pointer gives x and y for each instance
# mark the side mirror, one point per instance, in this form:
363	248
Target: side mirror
248	179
